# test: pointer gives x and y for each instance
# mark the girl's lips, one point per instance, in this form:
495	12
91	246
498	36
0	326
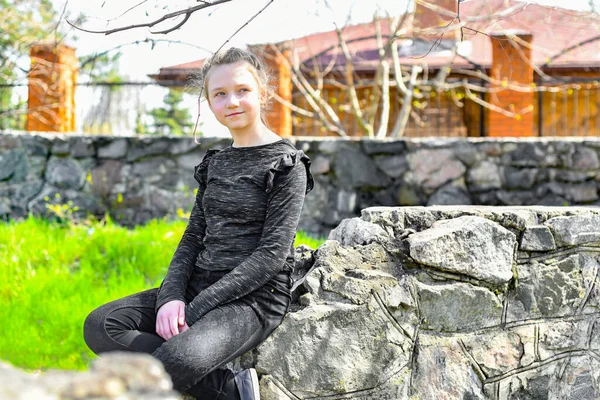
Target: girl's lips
234	114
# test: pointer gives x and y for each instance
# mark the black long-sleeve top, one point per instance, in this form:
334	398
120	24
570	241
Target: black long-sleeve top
244	221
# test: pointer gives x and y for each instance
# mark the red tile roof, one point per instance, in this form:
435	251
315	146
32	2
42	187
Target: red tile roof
554	30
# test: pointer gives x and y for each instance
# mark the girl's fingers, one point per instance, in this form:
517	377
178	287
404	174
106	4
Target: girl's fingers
181	315
174	326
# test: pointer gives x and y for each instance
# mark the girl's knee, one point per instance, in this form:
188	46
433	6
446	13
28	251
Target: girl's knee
93	329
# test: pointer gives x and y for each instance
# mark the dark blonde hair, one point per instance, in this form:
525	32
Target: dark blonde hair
231	56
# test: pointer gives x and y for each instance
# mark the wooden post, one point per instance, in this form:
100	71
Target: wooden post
278	116
51	100
511	65
433	18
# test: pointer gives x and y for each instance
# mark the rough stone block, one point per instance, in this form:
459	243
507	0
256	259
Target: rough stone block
537	238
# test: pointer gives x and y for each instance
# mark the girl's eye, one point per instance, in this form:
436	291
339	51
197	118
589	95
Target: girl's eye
244	90
219	94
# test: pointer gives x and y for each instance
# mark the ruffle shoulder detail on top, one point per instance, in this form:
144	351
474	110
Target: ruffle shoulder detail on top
201	169
287	162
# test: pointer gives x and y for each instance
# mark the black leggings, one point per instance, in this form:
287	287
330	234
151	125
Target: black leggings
194	358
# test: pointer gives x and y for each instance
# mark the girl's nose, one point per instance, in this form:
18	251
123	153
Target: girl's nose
233	101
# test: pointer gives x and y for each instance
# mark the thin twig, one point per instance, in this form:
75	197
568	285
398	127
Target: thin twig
187	12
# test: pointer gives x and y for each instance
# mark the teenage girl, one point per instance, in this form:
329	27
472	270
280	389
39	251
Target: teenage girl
228	284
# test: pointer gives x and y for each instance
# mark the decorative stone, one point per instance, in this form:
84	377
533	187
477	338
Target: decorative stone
393	166
434	168
467	245
457	306
82	147
320	165
105	176
484	176
355	231
537	238
575	230
65	173
520	178
36	145
355	170
60	146
584	158
145	147
450	194
13	165
114	376
341	365
379	146
114	149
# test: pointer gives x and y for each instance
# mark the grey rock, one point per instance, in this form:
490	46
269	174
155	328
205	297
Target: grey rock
537	238
60	145
528	154
584	158
140	148
345	201
467	245
188	161
551	290
65	173
342	361
330	146
183	145
354	170
320	165
82	147
484	176
388	146
450	194
514	198
355	231
575	230
569	176
582	192
13	165
36	145
520	178
393	166
105	176
459	306
4	207
113	149
9	142
126	376
434	168
443	371
467	153
408	195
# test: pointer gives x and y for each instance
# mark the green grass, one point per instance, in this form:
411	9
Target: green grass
52	275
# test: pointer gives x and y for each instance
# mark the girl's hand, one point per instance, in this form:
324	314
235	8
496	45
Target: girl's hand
170	319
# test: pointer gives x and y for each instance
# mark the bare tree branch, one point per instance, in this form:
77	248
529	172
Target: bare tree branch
385	86
186	13
364	125
402	118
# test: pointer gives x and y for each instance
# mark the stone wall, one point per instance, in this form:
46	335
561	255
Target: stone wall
136	179
444	303
115	376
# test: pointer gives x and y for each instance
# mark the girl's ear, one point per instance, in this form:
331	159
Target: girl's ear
264	97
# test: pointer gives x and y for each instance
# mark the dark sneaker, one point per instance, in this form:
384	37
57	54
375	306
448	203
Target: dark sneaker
247	384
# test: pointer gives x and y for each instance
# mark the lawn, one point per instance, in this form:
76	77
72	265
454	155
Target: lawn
54	274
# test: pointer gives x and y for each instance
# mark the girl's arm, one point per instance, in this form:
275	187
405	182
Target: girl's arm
182	264
284	203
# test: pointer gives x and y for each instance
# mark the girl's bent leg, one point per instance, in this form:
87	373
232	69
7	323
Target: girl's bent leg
193	357
127	324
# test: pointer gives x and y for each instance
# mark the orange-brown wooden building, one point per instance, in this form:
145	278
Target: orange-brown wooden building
539	65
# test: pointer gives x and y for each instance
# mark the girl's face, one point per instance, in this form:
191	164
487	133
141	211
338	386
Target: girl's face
234	96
